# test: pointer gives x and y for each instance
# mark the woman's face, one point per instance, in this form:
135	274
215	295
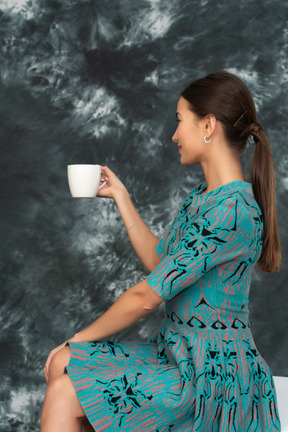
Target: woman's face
189	134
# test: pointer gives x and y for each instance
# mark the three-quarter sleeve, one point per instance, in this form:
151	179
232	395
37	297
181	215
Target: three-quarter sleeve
220	234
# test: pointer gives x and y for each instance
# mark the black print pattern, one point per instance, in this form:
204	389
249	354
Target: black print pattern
169	428
123	397
206	239
216	376
195	322
260	378
107	348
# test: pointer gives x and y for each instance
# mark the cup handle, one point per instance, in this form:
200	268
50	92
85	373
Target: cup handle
103	183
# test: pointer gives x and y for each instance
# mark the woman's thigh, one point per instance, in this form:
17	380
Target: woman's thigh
58	363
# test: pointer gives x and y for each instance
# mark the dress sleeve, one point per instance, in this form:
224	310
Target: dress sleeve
221	234
160	249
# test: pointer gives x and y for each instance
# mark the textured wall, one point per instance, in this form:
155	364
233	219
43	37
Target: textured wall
98	82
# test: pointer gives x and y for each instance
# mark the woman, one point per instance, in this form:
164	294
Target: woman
201	370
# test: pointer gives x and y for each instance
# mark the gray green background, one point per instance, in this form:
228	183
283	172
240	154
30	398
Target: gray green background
98	82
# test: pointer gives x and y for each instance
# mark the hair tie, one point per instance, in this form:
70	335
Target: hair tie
253	129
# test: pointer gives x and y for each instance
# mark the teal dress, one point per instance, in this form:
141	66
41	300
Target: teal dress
201	370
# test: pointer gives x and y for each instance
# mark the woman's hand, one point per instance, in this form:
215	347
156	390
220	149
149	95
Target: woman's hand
47	364
113	187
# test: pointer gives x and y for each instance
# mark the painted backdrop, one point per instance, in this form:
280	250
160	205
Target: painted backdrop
90	81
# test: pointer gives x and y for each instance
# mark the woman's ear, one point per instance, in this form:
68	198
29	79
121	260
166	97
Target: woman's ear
209	123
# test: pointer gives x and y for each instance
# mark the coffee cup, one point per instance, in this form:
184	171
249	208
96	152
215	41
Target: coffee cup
84	180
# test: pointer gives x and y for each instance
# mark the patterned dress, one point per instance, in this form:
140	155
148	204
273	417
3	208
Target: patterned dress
201	370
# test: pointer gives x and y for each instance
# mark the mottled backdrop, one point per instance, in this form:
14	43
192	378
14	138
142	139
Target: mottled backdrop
97	82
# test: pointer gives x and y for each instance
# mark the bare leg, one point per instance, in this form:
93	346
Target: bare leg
62	411
56	370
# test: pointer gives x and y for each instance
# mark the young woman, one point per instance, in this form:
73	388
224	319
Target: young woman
201	370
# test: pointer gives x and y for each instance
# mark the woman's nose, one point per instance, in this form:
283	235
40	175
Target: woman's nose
174	137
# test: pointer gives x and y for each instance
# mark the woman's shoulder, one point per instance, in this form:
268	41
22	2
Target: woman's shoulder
194	193
222	198
232	205
240	199
232	201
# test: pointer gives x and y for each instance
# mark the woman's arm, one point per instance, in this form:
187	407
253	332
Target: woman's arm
133	304
142	239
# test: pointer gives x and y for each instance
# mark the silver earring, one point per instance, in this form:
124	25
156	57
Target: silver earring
207	141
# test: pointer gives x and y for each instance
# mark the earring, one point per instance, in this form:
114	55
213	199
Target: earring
207	140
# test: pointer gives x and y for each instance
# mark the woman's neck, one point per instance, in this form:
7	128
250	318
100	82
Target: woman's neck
221	170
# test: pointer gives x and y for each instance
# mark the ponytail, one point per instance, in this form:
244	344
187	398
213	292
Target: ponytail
262	177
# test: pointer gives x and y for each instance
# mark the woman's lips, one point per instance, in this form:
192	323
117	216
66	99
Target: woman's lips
179	149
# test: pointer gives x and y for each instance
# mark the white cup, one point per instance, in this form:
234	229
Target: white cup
84	180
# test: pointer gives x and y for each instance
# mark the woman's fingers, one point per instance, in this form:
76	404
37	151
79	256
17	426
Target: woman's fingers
107	173
45	375
48	361
46	367
103	180
106	170
109	183
104	183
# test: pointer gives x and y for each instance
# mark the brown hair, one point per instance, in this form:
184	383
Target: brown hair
226	97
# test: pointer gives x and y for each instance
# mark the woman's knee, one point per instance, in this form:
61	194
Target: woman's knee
61	396
60	388
58	363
